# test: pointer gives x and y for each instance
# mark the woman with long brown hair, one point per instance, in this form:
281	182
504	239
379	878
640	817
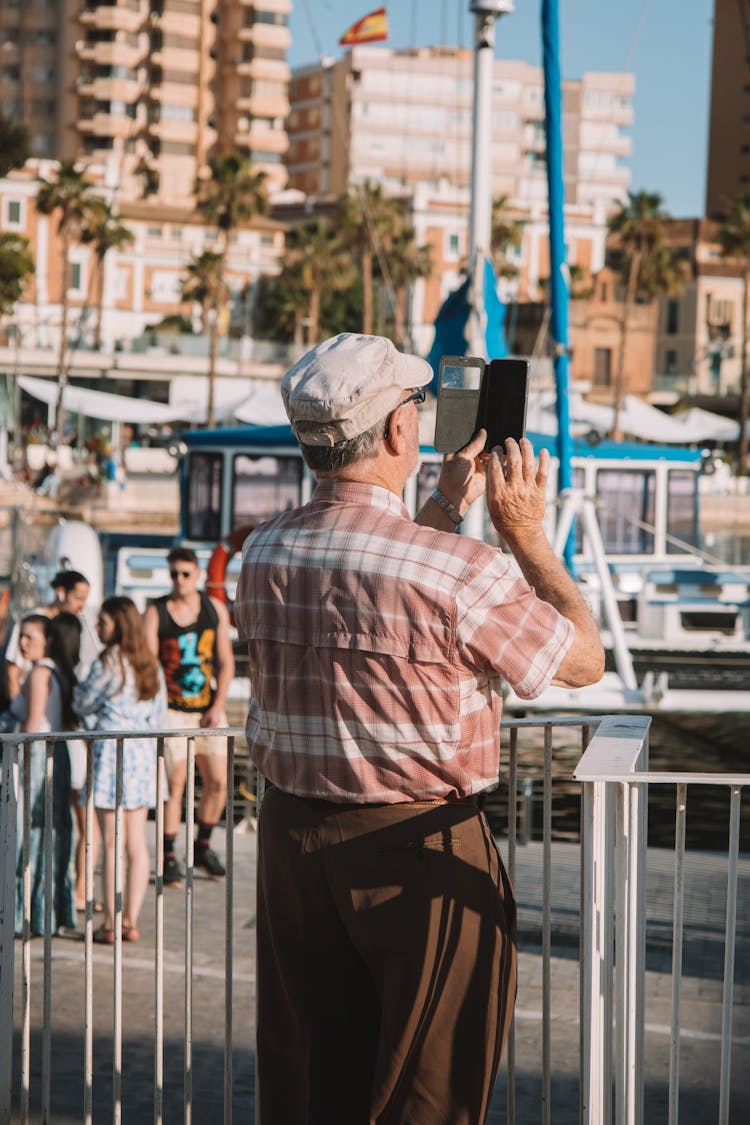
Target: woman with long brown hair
50	647
123	691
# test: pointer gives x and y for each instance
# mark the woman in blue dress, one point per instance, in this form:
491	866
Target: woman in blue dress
50	646
123	691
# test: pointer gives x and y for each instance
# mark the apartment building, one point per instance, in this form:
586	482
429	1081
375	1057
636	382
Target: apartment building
141	284
728	166
404	117
149	88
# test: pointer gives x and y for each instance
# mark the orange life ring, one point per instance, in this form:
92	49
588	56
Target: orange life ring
216	571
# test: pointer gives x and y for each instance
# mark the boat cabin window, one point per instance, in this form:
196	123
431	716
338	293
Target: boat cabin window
204	496
626	510
682	511
264	486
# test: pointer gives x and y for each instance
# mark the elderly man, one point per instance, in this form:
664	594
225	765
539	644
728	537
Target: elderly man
378	648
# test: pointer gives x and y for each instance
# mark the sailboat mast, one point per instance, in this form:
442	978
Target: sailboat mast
486	13
558	266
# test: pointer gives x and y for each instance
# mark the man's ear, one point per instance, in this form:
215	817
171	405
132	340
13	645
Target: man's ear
397	435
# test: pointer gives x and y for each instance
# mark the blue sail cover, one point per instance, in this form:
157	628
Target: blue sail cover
468	307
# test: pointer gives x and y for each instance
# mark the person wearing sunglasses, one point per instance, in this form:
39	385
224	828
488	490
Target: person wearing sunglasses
189	633
378	647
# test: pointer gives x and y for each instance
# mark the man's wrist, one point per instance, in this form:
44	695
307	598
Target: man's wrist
447	506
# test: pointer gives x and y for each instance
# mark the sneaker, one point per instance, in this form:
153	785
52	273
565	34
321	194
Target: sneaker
173	873
207	859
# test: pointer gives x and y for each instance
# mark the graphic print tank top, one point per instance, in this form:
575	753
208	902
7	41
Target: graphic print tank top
186	653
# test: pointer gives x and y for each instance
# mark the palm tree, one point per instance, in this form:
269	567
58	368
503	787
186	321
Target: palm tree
408	262
69	195
103	230
16	266
201	284
318	260
506	234
14	145
734	236
639	228
370	221
232	196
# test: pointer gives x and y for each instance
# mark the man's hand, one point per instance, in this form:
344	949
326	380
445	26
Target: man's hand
462	475
213	717
516	489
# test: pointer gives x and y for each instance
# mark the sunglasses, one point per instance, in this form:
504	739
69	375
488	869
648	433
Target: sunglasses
416	397
179	574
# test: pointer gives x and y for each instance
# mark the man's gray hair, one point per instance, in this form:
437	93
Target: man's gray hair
328	458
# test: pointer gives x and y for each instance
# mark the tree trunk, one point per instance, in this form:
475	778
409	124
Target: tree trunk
367	293
313	316
742	466
399	315
99	301
214	345
635	266
62	371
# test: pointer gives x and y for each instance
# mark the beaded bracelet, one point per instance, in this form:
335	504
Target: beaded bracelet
450	510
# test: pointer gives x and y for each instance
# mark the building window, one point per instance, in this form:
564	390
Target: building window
14	213
602	367
673	318
670	362
75	284
452	246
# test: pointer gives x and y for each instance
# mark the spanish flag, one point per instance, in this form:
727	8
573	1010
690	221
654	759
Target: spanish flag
370	29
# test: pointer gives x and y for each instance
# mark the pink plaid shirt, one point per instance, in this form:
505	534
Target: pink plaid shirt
378	649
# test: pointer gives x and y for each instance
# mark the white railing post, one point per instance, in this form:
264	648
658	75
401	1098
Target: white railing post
613	889
597	904
8	814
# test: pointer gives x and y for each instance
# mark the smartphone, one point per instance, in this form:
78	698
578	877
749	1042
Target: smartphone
474	395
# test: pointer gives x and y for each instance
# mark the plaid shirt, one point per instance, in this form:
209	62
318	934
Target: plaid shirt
378	649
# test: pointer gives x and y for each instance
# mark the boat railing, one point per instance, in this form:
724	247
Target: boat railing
602	915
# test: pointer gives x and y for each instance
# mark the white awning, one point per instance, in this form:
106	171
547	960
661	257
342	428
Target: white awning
103	405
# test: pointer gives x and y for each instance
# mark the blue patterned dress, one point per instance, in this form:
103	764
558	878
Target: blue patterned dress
108	702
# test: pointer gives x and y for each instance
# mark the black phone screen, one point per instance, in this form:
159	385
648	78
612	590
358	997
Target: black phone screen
505	393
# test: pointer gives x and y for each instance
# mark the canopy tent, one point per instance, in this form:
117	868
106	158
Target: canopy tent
637	419
262	407
102	405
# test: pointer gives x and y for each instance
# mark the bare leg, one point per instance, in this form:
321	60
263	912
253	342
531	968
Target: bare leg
177	777
106	819
79	812
139	863
213	771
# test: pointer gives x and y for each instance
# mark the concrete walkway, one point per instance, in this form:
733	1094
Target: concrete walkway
701	1001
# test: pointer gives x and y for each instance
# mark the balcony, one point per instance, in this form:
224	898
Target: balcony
649	1041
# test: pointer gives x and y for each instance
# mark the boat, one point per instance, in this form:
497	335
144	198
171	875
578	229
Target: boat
675	622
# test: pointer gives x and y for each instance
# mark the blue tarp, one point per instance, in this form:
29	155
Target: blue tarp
451	324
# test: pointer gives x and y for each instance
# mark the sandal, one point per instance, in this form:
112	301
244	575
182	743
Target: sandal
98	908
104	936
130	933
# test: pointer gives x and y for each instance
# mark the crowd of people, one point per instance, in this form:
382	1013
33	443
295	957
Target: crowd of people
169	667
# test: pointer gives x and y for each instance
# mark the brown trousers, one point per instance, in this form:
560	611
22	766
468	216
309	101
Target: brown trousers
386	963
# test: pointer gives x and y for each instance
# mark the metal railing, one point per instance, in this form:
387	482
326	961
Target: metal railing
607	919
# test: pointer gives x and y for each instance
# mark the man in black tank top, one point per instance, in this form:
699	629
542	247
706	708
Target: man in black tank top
189	632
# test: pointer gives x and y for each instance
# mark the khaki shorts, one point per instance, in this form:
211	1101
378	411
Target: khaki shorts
175	748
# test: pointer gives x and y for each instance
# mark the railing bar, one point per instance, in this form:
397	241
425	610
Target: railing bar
26	937
49	768
229	934
88	948
512	834
729	952
547	929
189	857
117	1036
8	862
582	945
159	939
677	942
